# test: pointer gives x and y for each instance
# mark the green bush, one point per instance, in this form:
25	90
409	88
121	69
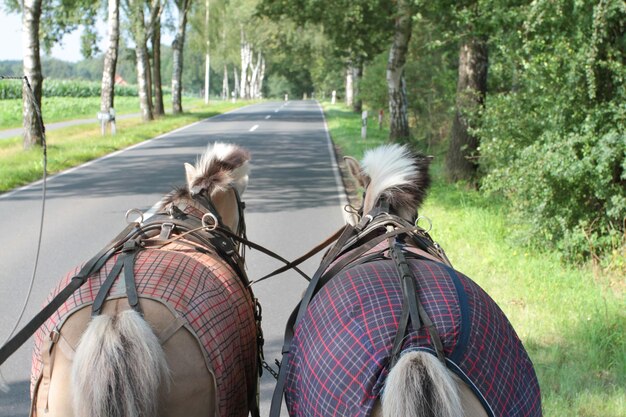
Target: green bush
556	144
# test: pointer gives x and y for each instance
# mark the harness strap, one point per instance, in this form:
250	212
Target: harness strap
77	281
96	307
412	304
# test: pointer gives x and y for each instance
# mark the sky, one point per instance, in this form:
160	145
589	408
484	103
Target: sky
11	46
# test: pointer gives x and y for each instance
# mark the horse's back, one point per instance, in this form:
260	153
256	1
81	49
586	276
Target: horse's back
200	302
341	349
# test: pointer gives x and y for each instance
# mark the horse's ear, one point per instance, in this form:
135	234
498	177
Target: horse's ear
190	171
355	170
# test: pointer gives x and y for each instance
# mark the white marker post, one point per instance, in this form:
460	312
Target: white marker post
364	124
334	98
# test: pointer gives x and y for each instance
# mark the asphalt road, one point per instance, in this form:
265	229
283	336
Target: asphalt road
294	201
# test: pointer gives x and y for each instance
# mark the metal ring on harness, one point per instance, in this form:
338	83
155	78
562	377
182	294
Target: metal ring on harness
134	210
210	226
430	223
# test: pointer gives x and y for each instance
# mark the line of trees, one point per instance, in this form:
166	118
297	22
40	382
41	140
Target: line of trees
526	96
231	33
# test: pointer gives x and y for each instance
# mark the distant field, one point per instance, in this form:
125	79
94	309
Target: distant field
56	109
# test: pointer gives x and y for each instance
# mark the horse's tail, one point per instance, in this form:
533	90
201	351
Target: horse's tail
420	386
118	368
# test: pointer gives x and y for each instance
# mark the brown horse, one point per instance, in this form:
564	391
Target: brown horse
388	327
167	326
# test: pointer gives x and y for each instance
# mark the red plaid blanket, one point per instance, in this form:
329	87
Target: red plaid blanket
207	294
341	349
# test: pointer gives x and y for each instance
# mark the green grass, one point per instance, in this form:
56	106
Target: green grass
571	321
74	145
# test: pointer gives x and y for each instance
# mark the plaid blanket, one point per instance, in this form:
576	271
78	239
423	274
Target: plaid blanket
210	298
341	349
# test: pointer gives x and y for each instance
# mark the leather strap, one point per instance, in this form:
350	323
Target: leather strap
77	281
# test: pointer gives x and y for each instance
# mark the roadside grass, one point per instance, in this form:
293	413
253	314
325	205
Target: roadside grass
571	321
74	145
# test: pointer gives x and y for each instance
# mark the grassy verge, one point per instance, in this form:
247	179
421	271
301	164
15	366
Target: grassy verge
74	145
571	322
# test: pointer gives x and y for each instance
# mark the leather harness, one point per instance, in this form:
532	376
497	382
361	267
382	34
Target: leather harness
155	232
353	247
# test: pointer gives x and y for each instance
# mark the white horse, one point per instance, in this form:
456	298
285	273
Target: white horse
342	359
189	348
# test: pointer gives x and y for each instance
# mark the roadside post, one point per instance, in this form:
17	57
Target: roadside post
381	113
334	98
364	124
107	117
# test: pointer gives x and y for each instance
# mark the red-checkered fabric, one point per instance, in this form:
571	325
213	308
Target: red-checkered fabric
209	296
341	348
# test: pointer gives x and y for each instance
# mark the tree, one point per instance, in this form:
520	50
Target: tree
399	122
141	31
159	109
107	97
462	158
358	30
33	132
177	50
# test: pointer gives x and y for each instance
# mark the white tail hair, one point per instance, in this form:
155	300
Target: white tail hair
420	386
118	368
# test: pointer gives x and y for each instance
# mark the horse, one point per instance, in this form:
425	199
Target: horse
388	328
166	323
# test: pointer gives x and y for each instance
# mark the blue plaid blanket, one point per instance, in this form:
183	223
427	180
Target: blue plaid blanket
341	349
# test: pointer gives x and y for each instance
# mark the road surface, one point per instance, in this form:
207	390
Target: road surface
294	201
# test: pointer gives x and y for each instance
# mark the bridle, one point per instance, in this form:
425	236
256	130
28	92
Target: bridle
356	245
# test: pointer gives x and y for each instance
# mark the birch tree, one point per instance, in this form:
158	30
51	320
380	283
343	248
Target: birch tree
159	109
140	32
31	14
398	115
107	96
178	44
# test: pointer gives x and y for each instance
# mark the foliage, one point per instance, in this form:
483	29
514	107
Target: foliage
577	347
555	145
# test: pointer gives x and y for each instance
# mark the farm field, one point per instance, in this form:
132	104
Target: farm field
71	146
570	319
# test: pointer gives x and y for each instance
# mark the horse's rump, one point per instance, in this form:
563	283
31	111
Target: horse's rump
341	350
206	295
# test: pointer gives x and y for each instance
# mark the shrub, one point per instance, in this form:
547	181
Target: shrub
556	144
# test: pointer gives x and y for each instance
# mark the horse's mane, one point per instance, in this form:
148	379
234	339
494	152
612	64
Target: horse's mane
222	165
399	175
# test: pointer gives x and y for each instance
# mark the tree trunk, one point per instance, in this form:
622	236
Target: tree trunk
357	73
237	92
107	97
177	56
246	58
143	63
254	83
31	103
225	87
159	109
462	156
261	77
398	120
349	86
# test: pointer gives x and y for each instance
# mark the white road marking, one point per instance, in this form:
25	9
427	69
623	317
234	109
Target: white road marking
267	117
253	128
